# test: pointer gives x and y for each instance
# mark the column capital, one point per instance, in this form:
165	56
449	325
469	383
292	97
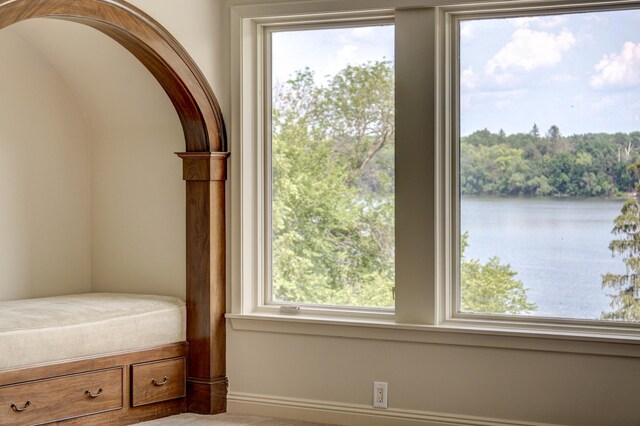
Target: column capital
205	166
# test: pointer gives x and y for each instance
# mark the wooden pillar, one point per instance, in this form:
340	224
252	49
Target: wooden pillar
205	175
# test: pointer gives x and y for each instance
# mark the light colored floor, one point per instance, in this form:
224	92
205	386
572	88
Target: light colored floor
226	420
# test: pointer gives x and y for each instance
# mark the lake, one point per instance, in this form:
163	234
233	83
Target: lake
558	247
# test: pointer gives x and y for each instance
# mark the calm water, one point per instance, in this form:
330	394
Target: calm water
559	248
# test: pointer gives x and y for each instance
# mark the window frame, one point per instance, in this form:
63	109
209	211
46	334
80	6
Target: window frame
452	71
262	290
425	305
267	183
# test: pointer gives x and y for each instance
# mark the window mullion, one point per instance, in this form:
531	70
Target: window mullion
416	244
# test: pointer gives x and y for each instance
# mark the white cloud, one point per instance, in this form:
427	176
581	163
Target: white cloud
530	49
346	55
618	69
605	103
467	30
364	33
538	21
468	78
595	18
563	77
498	99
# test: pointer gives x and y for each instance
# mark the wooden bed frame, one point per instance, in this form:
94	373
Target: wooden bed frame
204	170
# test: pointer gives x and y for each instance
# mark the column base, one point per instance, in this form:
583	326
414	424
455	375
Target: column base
207	396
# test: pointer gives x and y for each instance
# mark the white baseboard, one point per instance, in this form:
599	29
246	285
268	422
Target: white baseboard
352	414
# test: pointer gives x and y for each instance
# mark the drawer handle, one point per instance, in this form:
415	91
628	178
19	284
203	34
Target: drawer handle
94	395
15	408
162	383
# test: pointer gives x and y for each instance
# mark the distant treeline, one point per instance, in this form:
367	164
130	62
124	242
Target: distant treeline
592	164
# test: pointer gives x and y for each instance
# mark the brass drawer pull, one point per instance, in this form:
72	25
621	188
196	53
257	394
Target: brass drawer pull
164	382
92	395
15	408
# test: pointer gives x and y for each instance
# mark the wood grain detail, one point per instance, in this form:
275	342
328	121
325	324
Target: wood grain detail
204	170
55	369
127	414
61	398
158	381
153	46
204	165
207	396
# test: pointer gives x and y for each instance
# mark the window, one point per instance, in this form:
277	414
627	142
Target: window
331	174
490	203
549	155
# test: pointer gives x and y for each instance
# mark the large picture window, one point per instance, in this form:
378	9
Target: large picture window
445	166
549	165
331	176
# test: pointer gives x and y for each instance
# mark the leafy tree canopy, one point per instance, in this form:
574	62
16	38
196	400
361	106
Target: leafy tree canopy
333	196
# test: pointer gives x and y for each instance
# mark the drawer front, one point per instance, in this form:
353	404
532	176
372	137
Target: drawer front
158	381
44	401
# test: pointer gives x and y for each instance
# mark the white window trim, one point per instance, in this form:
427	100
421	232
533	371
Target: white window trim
266	288
254	164
424	307
450	196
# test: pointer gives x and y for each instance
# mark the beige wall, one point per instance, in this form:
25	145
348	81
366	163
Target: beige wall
514	385
137	195
96	203
45	226
330	377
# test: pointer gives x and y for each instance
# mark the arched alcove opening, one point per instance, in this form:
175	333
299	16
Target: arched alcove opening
204	170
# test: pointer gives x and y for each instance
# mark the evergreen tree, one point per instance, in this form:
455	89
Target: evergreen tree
535	132
625	300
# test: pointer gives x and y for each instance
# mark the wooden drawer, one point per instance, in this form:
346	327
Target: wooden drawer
61	398
158	381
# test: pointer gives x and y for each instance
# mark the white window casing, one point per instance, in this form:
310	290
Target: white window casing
426	184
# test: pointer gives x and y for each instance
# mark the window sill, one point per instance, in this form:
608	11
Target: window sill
455	334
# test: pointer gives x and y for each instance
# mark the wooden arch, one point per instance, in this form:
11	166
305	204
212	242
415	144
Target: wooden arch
204	170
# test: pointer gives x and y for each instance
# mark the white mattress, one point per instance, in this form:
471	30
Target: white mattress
35	331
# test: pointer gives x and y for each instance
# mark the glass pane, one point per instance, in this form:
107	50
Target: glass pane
332	168
549	165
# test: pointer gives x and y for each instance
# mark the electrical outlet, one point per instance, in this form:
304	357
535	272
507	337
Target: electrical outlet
380	394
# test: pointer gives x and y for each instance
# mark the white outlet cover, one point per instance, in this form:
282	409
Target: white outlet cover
380	394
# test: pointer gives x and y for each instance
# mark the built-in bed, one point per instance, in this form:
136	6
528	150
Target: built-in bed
99	359
123	354
36	331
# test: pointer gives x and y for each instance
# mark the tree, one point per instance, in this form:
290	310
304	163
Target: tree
491	287
535	132
554	134
333	195
625	301
332	174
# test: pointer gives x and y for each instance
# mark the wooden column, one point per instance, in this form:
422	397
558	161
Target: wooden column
205	174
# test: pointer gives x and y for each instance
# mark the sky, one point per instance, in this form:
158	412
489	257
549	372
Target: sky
327	51
578	71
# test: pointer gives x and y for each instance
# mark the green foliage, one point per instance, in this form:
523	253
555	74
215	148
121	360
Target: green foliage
333	195
491	287
589	165
625	300
332	174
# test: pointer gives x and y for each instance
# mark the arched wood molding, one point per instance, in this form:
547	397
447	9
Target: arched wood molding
204	165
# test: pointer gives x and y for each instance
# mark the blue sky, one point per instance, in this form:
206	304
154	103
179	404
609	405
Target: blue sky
327	51
579	71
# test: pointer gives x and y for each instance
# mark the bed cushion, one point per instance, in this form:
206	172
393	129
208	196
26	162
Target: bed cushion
35	331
